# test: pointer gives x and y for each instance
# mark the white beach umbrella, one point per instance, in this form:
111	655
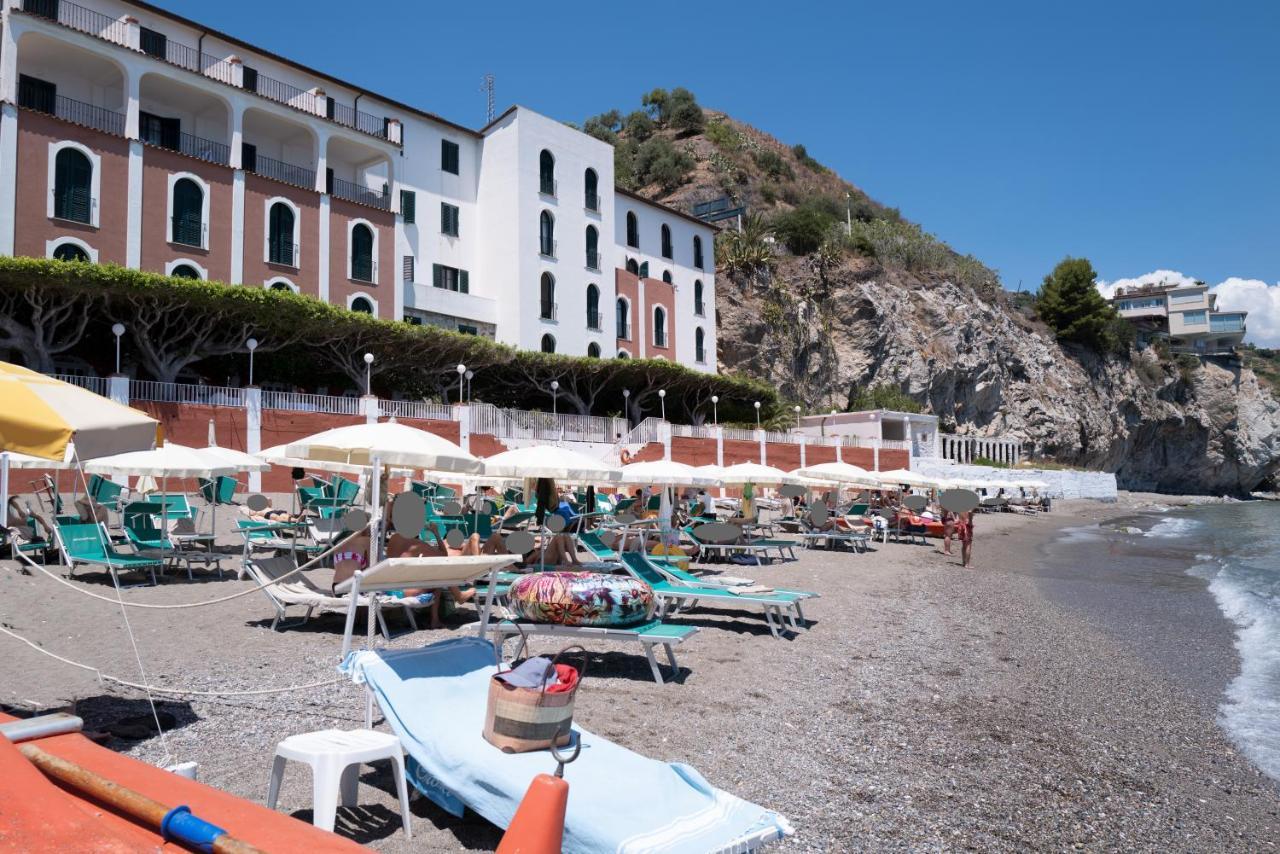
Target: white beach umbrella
903	477
237	459
167	460
756	474
552	462
666	473
26	461
839	472
388	442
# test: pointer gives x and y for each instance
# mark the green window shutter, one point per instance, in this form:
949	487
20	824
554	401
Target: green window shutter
408	206
464	284
437	276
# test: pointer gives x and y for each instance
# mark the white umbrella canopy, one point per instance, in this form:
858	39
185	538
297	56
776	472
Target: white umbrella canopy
839	472
167	460
237	459
391	443
666	473
903	477
26	461
551	462
754	473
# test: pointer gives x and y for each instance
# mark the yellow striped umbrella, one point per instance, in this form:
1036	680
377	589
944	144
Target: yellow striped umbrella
40	416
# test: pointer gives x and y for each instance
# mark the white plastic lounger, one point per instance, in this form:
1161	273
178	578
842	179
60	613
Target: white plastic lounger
300	592
858	541
434	698
648	635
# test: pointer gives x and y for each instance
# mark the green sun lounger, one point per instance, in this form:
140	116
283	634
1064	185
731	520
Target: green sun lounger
87	544
784	548
780	609
680	576
649	635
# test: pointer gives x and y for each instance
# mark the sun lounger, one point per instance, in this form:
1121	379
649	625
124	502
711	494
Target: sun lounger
858	540
652	634
761	548
679	576
779	608
87	544
434	699
301	592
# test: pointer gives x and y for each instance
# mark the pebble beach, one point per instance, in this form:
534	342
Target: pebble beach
926	706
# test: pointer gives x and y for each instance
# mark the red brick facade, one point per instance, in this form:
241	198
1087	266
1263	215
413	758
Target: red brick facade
257	269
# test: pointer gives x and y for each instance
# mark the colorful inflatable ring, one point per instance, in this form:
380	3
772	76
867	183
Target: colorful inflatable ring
581	599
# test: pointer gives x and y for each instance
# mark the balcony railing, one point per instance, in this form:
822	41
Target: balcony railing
624	331
593	260
188	232
360	194
549	311
298	176
355	119
364	270
193	146
593	320
81	19
76	112
75	204
284	252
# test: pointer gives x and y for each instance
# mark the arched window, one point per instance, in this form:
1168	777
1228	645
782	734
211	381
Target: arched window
547	301
666	276
697	251
185	271
362	305
362	255
593	350
659	326
698	307
188	213
699	345
548	344
547	234
546	173
623	354
593	248
592	184
280	248
593	307
623	317
633	231
70	252
72	186
666	241
633	267
281	286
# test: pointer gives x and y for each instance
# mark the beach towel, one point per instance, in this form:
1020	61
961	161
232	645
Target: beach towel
435	699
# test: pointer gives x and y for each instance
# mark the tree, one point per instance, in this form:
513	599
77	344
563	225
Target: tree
659	162
604	127
802	230
655	103
639	126
1072	306
41	323
682	113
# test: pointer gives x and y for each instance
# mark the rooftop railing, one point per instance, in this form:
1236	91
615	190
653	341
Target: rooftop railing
81	19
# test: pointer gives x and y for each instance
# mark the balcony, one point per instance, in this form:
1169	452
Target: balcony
549	311
593	320
158	45
278	170
77	112
187	232
283	253
191	145
353	192
1226	323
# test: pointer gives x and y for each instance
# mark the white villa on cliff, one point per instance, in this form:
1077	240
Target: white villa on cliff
1186	315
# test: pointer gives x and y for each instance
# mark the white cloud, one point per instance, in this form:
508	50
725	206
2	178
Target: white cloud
1255	296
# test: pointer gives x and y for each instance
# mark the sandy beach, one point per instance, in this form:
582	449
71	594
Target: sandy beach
926	707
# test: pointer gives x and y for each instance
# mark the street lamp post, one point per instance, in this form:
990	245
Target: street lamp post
662	399
117	329
251	344
368	374
626	404
715	409
462	371
757	415
797	408
555	390
469	374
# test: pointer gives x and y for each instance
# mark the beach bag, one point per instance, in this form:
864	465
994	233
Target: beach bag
520	720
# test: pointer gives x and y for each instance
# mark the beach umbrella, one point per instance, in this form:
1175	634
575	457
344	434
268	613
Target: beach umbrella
26	461
276	456
903	477
388	443
238	459
552	462
167	460
756	474
666	473
839	472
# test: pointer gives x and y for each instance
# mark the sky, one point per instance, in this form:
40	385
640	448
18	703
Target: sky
1141	135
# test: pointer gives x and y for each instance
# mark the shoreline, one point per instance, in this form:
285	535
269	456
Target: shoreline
925	707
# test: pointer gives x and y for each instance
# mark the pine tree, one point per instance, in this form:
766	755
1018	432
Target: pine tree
1071	304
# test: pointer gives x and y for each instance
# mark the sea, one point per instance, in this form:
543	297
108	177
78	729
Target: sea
1145	577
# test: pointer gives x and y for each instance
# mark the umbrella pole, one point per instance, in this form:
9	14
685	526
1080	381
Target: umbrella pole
4	483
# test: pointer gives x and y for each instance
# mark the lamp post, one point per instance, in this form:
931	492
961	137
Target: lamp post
797	411
757	415
469	374
117	329
251	344
368	374
462	371
662	399
626	404
715	409
555	390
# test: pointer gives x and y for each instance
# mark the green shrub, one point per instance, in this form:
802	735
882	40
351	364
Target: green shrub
881	397
901	245
772	164
682	112
802	230
1188	364
639	126
659	162
805	160
723	136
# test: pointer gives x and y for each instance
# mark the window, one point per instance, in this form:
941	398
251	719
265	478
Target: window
548	344
449	156
408	206
697	251
153	43
666	276
592	183
666	241
158	130
406	270
593	350
72	186
547	234
280	248
698	307
468	329
362	305
70	252
659	326
1186	296
362	253
1195	318
547	297
633	267
699	345
593	307
281	286
623	318
450	278
593	248
188	213
623	354
546	173
448	219
185	271
633	231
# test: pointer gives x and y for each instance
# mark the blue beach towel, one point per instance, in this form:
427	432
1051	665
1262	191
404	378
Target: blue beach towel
435	700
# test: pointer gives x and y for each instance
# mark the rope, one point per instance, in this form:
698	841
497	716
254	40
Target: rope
160	690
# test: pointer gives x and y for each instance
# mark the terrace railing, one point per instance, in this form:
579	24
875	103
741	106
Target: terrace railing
288	173
186	393
299	402
97	385
81	19
423	409
353	192
70	110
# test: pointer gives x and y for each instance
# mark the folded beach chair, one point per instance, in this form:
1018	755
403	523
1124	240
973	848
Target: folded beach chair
301	592
435	698
780	609
219	490
87	544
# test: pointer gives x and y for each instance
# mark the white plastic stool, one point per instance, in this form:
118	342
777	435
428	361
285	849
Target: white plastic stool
335	757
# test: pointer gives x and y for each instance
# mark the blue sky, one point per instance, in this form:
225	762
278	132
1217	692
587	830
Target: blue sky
1141	135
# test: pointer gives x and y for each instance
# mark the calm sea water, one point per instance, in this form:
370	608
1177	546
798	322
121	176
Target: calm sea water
1138	577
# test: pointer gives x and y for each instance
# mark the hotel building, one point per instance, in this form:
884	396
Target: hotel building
1185	315
132	135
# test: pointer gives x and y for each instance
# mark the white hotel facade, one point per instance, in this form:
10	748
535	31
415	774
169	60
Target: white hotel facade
132	135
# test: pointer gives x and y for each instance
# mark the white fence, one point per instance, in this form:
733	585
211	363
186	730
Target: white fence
97	385
545	426
298	402
423	409
186	393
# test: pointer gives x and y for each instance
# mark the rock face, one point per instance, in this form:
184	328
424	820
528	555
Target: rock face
985	369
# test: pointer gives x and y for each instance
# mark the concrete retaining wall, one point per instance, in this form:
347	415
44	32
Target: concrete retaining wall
1097	485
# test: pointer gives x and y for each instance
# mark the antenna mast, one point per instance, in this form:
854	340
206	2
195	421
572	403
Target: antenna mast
486	86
